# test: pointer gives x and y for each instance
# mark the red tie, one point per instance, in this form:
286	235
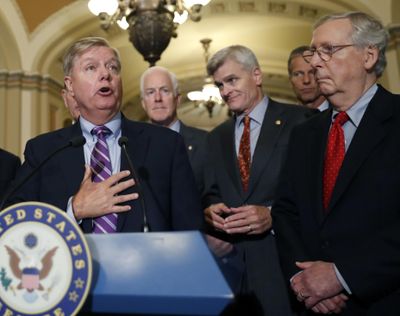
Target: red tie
245	154
334	156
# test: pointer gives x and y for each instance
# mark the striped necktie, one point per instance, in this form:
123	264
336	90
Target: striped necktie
101	167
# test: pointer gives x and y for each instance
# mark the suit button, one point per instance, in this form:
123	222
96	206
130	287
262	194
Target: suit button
325	244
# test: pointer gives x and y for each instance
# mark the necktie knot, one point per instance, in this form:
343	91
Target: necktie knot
341	118
246	121
101	131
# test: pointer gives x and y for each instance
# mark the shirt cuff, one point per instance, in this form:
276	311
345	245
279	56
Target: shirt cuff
70	211
341	280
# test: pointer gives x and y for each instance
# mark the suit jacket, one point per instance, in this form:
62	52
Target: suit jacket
263	277
169	190
360	232
195	141
9	164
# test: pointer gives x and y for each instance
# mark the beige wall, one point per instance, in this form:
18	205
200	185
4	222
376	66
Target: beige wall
31	72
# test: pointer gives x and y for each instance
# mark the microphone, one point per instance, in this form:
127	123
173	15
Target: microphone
77	141
122	142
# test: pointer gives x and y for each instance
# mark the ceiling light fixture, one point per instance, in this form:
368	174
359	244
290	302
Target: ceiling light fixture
209	96
151	23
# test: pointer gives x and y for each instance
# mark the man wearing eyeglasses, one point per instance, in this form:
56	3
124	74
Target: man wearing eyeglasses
337	213
302	78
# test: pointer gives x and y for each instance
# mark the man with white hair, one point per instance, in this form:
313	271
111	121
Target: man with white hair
160	95
337	213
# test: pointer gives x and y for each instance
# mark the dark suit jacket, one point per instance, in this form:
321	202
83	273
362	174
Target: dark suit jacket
361	233
195	141
159	156
9	164
263	275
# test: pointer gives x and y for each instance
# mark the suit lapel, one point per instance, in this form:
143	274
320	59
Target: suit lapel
369	133
228	150
137	150
188	139
315	147
272	125
74	159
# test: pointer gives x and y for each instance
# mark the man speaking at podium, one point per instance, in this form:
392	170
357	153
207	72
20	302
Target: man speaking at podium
90	180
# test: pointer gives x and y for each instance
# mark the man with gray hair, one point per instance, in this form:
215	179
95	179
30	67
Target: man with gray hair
244	158
337	213
160	95
92	180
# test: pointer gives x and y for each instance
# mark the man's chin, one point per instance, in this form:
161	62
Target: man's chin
308	99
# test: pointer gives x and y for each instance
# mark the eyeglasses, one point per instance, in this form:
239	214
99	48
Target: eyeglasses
324	52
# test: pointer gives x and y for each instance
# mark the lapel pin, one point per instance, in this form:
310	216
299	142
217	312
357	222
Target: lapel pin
190	147
278	122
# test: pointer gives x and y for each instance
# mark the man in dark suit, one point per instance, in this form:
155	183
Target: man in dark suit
160	95
92	76
238	210
9	164
302	79
337	221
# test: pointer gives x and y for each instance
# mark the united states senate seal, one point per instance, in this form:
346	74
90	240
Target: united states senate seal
45	262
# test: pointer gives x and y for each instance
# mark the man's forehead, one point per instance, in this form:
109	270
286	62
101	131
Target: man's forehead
92	53
332	31
159	79
298	61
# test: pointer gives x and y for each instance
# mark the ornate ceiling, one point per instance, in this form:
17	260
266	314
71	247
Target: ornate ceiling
44	28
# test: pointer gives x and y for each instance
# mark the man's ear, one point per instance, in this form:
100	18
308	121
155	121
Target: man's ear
257	75
68	85
143	104
371	54
178	99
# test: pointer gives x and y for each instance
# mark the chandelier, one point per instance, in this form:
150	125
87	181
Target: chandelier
209	96
151	23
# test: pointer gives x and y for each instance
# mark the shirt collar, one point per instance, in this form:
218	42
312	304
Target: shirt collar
176	126
357	110
114	125
257	114
323	106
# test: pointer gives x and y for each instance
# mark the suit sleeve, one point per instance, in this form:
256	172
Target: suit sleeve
211	191
29	191
372	271
9	167
186	204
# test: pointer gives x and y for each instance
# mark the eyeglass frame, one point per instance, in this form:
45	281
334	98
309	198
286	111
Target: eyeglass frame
332	50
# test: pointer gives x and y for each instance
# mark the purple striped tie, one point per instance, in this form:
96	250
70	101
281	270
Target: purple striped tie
101	167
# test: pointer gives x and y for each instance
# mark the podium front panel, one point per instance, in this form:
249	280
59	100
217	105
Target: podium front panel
156	273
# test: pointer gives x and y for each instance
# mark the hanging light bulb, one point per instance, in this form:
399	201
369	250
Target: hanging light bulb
209	96
123	23
102	6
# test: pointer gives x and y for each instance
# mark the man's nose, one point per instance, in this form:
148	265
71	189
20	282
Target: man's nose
315	60
157	95
306	78
105	74
224	91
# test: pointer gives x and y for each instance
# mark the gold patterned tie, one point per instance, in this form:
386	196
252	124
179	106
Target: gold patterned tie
244	158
